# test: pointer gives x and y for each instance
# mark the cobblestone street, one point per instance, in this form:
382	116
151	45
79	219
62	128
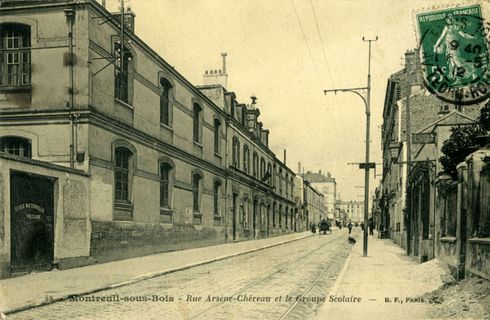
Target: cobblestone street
289	281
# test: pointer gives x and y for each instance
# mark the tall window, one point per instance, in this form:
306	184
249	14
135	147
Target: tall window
166	87
196	127
122	73
217	136
262	168
287	188
16	146
246	159
255	164
165	174
236	152
123	157
15	55
280	181
216	191
269	170
196	181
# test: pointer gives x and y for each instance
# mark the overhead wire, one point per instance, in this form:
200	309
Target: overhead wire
306	43
336	130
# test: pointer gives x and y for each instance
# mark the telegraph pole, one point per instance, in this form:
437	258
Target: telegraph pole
366	165
366	172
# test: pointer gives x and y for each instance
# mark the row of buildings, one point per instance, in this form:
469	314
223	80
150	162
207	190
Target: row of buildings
107	151
424	210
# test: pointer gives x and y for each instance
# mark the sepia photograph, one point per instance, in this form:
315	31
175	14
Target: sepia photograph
244	159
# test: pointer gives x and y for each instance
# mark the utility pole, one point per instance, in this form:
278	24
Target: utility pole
366	172
366	165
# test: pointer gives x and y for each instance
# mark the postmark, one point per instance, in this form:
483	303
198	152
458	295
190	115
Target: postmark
454	54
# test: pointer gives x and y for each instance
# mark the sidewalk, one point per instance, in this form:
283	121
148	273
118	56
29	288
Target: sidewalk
387	283
46	287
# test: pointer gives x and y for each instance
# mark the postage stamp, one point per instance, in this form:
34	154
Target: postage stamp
454	54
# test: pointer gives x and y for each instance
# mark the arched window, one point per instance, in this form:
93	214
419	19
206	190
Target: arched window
216	194
246	159
196	127
236	152
269	171
217	136
262	168
287	188
255	164
122	170
16	145
196	192
123	73
165	185
15	54
166	88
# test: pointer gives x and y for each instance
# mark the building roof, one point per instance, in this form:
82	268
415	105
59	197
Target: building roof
453	117
318	177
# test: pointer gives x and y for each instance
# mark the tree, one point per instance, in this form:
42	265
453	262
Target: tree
459	145
484	118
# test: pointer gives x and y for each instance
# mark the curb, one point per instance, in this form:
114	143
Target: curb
146	276
335	287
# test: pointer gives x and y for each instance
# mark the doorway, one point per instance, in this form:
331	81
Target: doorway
31	222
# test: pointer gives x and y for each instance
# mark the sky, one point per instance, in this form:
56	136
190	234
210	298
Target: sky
286	52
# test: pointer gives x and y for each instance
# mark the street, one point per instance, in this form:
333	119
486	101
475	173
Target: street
289	281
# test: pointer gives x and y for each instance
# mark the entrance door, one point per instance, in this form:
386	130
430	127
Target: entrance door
235	196
255	218
31	222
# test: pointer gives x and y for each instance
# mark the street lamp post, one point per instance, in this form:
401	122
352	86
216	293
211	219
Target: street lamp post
367	165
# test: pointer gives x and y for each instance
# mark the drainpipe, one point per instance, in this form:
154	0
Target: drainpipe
70	17
227	123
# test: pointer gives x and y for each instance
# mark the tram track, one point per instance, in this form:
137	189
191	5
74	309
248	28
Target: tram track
277	269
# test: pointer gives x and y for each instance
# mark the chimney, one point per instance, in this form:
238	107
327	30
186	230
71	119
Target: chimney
284	156
299	167
224	54
217	77
103	3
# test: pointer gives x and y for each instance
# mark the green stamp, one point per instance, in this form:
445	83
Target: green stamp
454	54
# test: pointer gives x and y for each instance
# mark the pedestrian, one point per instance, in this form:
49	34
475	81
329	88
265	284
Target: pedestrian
313	228
371	227
350	227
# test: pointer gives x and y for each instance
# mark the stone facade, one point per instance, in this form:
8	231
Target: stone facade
166	158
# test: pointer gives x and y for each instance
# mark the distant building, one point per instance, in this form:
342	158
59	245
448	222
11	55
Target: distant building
325	184
353	209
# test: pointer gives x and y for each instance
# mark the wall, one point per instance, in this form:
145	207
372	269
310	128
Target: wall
72	227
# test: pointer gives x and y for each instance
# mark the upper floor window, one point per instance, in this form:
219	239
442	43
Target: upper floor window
287	188
123	73
246	159
217	136
236	152
16	145
165	185
15	55
196	127
255	164
269	172
166	88
262	168
280	181
122	170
